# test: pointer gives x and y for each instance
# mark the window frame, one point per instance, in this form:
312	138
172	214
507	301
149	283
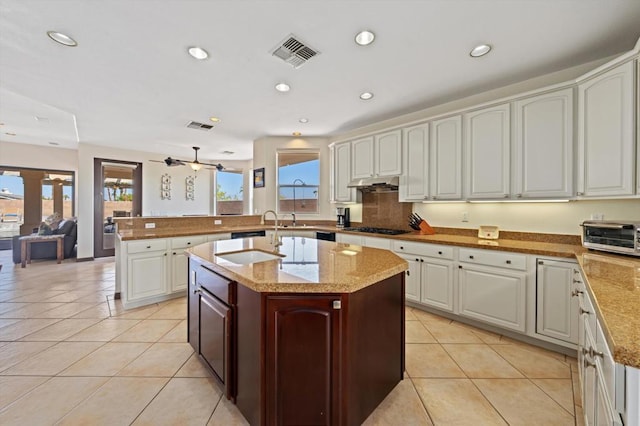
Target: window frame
278	209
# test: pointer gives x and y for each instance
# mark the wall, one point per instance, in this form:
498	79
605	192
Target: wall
264	155
553	218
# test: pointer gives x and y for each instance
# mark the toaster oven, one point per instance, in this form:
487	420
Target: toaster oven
613	236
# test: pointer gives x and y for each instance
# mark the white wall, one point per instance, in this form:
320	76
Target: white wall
264	155
553	218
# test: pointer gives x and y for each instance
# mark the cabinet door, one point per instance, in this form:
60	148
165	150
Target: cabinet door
487	143
302	356
179	270
589	382
446	159
215	335
362	158
388	154
544	146
412	278
437	284
147	275
342	177
349	239
414	182
218	237
557	309
493	295
606	161
381	243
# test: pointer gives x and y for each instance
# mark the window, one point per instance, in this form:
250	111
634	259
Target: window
229	192
298	180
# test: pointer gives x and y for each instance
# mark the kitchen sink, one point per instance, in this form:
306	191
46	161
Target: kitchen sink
246	257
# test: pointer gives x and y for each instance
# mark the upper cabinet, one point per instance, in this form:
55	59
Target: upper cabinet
414	182
446	159
543	146
606	146
378	155
487	143
342	174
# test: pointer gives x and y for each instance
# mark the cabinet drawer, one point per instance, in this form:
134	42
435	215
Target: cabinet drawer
493	258
186	242
146	245
422	249
215	284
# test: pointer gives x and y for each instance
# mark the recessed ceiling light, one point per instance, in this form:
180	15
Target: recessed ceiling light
366	96
198	53
62	38
297	134
214	119
282	87
54	143
480	50
304	120
364	38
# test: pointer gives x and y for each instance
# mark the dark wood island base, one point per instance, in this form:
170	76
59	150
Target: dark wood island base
299	358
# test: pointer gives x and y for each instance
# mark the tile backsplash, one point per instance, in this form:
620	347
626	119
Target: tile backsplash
382	210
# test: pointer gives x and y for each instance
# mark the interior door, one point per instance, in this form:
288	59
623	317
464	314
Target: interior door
117	191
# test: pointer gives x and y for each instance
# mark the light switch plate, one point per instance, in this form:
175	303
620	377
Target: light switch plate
217	222
149	225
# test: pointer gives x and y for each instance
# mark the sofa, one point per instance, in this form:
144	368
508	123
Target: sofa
48	250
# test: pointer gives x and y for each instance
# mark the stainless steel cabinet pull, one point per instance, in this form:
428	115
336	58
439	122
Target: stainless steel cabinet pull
593	352
337	304
577	281
575	293
588	363
584	311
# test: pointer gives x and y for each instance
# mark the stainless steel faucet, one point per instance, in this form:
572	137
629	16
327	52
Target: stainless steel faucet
294	219
276	240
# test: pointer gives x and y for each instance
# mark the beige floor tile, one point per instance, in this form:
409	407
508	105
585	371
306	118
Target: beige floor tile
14	387
409	315
532	348
194	367
401	407
415	332
480	361
50	401
100	310
54	359
532	363
105	330
106	360
577	391
10	306
31	310
129	395
15	352
160	360
430	360
484	335
579	416
560	390
182	401
138	313
521	402
70	296
451	333
23	327
9	295
227	414
456	402
147	331
6	322
429	318
67	310
61	330
171	311
178	334
38	296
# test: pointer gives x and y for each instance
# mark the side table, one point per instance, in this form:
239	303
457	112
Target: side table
25	246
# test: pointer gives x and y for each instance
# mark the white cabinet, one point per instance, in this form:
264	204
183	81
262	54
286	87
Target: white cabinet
606	146
496	295
180	261
377	156
217	237
349	239
362	158
487	148
543	146
342	174
146	270
445	175
375	242
430	278
414	181
557	307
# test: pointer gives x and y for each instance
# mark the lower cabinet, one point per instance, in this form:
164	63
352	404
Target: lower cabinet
146	275
179	261
429	282
215	334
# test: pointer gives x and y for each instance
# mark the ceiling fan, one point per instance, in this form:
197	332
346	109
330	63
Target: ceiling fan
195	164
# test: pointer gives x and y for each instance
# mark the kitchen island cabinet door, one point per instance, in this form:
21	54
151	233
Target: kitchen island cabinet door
215	336
302	355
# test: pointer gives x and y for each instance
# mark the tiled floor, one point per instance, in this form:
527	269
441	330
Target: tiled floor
70	355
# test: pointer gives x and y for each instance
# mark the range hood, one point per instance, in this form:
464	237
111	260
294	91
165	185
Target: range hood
376	184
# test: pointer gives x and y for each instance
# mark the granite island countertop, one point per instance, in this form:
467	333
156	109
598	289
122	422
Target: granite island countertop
307	265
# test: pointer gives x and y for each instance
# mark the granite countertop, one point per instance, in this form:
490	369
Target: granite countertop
613	280
308	265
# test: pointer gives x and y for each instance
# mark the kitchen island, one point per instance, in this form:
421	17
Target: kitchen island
312	335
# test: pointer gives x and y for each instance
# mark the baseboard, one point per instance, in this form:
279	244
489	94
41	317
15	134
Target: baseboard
85	259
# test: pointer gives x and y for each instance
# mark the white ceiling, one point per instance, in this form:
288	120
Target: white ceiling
130	83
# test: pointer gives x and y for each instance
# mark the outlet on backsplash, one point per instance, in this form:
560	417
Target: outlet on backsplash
597	216
465	216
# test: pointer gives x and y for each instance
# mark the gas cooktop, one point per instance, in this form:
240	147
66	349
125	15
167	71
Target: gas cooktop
377	230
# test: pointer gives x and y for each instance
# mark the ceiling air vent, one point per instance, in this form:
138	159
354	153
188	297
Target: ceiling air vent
199	126
293	51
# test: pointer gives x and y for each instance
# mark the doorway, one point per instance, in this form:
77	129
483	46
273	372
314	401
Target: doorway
117	191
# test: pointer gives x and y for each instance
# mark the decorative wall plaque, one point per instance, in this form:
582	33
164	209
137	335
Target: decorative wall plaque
190	182
165	187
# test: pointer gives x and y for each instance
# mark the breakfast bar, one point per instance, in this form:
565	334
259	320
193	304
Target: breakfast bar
311	333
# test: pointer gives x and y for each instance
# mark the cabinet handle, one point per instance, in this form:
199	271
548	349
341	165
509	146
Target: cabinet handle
196	291
401	247
579	193
439	252
165	254
584	311
408	274
422	260
540	262
577	281
434	197
588	363
593	352
417	260
506	195
174	253
518	195
337	304
188	243
470	257
575	293
508	262
459	266
148	246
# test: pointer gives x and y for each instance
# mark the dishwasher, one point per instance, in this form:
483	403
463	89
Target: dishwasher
236	235
326	236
